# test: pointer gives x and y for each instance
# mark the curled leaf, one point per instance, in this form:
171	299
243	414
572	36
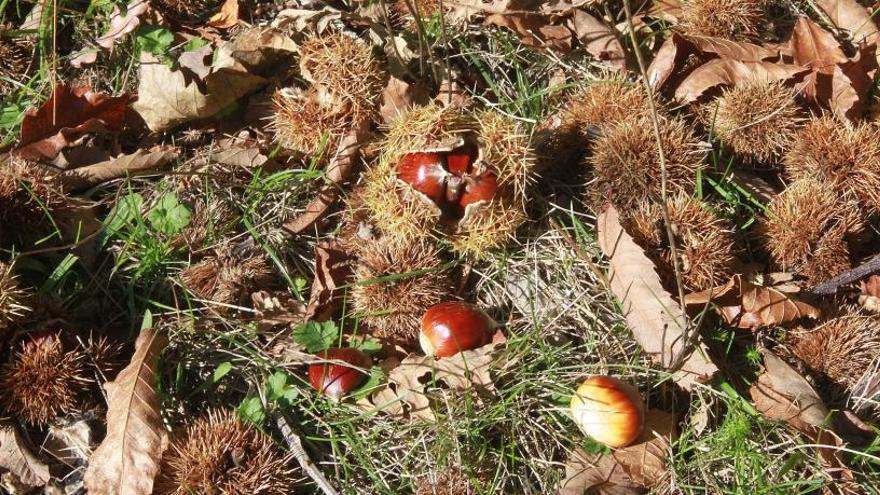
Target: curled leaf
655	318
139	162
727	72
17	458
127	460
746	305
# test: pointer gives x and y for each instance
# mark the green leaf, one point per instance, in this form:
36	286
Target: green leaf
316	336
154	39
194	44
376	378
147	322
222	370
126	210
278	389
169	216
251	411
366	344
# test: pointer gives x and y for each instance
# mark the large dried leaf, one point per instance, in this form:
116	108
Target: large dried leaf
853	17
749	306
656	320
17	458
338	170
332	271
399	96
598	39
670	58
736	50
815	47
167	98
139	162
534	29
66	116
227	17
405	394
628	470
127	460
720	73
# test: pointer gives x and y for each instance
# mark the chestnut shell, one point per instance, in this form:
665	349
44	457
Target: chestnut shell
480	188
451	327
426	173
337	380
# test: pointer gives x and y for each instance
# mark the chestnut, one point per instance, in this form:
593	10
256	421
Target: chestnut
479	188
608	410
451	327
426	173
336	380
459	160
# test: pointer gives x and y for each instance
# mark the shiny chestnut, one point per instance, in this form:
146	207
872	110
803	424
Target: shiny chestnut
610	411
336	380
451	327
426	173
479	188
460	160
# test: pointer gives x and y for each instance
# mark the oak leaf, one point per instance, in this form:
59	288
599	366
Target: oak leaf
655	318
67	115
127	461
749	306
406	392
17	458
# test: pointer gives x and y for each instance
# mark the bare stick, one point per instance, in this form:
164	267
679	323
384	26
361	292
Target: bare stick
296	448
832	286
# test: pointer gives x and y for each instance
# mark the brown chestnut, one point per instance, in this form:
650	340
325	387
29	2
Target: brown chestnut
480	188
426	173
451	327
459	160
610	411
336	380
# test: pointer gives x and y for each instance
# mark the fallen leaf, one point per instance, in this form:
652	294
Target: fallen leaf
246	158
67	115
127	460
852	17
122	24
274	309
405	394
139	162
338	170
719	73
197	61
736	50
656	320
534	29
17	458
167	98
871	286
598	39
671	56
815	47
852	82
632	469
70	444
667	10
332	271
399	96
227	17
749	306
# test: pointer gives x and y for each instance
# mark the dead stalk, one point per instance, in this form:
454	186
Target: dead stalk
299	452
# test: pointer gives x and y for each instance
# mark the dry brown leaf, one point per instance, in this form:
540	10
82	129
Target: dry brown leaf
534	29
736	50
338	170
398	96
139	162
632	469
405	393
749	306
852	17
120	25
815	47
127	460
227	17
17	458
656	320
167	98
67	115
670	58
332	271
598	39
727	72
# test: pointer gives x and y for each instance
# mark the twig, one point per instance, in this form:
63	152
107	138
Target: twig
299	452
832	286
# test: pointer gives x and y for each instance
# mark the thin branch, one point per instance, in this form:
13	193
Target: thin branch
299	452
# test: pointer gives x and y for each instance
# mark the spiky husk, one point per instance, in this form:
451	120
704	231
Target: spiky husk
12	298
28	199
732	19
348	78
42	381
704	242
449	481
104	357
301	124
504	148
398	212
805	230
757	121
488	227
845	157
227	278
841	350
426	127
220	454
211	220
392	308
626	162
603	102
15	57
188	11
